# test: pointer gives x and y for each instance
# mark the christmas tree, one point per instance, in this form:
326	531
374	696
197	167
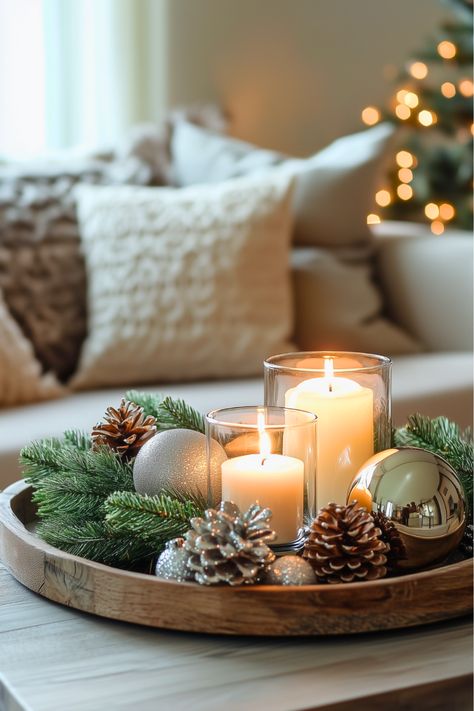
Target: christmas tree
432	177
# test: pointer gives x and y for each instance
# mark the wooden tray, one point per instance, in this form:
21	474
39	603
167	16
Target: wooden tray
405	601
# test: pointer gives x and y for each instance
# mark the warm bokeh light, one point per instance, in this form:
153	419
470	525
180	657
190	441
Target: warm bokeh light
373	219
402	111
427	118
472	128
447	49
411	99
405	175
448	89
466	87
383	198
404	159
431	211
370	115
446	211
401	95
419	70
404	192
437	227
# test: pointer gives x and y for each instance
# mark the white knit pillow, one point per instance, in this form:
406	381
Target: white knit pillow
185	284
21	380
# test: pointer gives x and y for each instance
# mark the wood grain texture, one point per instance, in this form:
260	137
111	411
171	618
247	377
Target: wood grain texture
410	600
55	659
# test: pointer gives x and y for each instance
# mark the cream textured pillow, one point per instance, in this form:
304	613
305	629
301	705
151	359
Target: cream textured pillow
21	380
185	284
334	189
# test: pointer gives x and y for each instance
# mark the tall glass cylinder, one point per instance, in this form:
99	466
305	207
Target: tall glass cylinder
351	395
265	455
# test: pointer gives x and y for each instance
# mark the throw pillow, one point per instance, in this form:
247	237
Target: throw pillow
21	380
338	308
185	284
334	189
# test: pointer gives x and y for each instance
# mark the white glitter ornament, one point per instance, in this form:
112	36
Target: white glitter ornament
175	460
290	570
172	563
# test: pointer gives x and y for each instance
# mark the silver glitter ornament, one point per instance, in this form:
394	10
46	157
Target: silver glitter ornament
172	564
175	460
421	494
289	570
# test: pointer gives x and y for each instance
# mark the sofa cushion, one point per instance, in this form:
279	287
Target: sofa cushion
334	189
185	284
433	384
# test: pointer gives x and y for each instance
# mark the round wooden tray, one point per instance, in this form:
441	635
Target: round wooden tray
405	601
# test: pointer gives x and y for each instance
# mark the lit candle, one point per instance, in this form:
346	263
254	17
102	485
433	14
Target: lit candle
275	481
345	429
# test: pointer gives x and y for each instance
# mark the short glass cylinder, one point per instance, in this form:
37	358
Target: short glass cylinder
265	455
351	395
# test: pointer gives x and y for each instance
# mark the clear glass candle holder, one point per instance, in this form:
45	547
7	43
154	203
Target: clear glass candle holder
265	455
351	395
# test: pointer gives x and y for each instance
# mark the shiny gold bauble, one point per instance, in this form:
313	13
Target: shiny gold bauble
421	494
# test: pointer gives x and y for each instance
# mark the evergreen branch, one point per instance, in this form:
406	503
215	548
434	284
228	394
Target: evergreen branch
94	540
444	438
168	412
157	517
80	440
40	459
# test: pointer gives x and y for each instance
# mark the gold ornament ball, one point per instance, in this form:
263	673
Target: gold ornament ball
175	460
421	494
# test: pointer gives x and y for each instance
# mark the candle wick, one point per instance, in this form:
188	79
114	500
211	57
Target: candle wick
264	459
330	387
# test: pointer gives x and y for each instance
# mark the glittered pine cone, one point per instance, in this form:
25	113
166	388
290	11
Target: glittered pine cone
125	429
345	546
228	546
391	536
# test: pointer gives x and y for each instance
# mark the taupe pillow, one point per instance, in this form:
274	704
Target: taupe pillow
185	284
21	379
334	189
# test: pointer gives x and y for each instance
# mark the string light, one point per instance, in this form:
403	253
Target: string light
446	211
427	118
383	198
370	115
448	89
402	111
405	192
404	159
437	227
373	219
446	49
411	99
405	175
401	95
431	211
466	87
418	70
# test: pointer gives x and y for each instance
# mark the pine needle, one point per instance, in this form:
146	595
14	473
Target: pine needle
168	412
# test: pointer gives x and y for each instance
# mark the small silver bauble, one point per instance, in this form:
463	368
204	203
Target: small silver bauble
175	460
172	564
290	570
421	494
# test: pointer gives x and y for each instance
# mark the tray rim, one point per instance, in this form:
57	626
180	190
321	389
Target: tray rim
11	523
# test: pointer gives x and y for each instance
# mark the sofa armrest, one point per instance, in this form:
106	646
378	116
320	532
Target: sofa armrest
427	282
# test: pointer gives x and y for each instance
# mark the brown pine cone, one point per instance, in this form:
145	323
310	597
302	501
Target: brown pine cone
390	536
345	546
124	430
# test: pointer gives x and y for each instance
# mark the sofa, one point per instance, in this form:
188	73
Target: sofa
426	283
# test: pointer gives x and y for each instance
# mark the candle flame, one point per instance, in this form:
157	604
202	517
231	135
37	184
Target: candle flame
265	441
329	371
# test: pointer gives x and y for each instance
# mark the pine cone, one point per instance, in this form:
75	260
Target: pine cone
466	544
345	546
228	546
391	536
125	429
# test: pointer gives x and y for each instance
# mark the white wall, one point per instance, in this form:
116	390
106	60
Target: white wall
293	73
